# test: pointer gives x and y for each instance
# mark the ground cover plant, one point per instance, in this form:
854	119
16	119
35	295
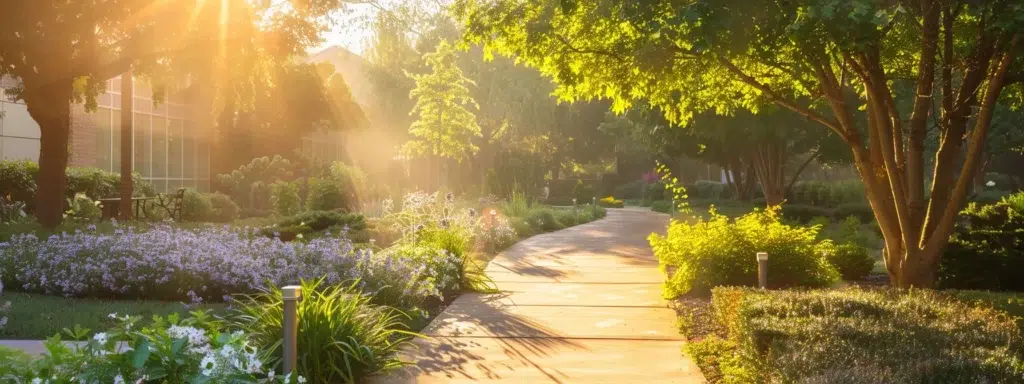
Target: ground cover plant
854	336
196	349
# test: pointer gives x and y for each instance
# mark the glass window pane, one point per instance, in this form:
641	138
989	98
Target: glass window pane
188	159
204	160
174	148
173	185
159	157
143	148
160	185
102	119
204	186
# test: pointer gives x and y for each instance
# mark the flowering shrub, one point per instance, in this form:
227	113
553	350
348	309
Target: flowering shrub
194	350
611	202
168	262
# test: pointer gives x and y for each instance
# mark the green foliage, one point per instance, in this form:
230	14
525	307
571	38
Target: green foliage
852	260
858	336
196	206
987	249
354	183
543	220
673	189
81	207
662	206
344	338
803	213
316	222
720	251
223	209
18	180
862	211
827	193
50	314
445	127
247	184
325	194
705	189
517	206
285	198
631	190
583	192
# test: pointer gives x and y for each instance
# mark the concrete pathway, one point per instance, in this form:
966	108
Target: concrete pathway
581	305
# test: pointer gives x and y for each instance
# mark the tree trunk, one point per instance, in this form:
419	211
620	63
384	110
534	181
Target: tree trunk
51	108
127	138
769	163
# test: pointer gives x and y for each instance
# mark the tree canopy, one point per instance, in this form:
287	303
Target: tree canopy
839	63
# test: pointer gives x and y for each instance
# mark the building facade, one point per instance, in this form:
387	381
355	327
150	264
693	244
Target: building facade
170	149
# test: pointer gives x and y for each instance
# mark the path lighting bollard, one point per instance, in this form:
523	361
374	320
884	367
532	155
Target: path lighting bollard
593	200
574	206
291	294
762	269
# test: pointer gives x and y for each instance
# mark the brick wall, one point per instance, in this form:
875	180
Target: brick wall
83	137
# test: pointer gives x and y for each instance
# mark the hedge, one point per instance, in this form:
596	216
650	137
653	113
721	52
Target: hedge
987	249
18	179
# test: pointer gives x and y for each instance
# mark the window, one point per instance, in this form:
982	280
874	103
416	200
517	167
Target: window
143	147
159	151
174	149
103	136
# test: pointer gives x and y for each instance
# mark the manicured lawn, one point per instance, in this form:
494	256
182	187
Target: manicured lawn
35	316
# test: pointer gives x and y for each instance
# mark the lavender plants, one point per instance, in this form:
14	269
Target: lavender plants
168	262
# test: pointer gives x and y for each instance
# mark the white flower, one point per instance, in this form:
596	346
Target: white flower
118	379
288	377
991	183
299	236
112	316
37	381
100	338
208	364
301	379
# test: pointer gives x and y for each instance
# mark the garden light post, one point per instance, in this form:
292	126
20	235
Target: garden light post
574	206
291	294
762	269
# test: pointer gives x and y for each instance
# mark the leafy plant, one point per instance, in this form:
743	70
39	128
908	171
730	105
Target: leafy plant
223	209
343	337
325	194
285	198
663	206
852	260
697	257
611	202
987	248
81	207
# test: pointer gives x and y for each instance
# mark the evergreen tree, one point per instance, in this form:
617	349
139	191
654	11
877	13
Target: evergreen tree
446	126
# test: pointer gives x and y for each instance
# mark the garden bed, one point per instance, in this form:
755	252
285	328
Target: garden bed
852	336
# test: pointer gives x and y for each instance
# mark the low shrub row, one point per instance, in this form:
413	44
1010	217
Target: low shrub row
827	193
856	336
546	219
805	213
18	180
663	206
987	249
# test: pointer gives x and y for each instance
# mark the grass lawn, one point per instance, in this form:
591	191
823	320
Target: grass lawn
35	316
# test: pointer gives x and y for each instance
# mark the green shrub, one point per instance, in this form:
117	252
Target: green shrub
517	205
631	190
827	193
663	206
656	191
324	195
196	206
987	249
522	227
18	180
706	189
543	220
285	198
720	251
803	213
222	208
559	201
260	194
852	260
567	218
583	192
862	211
312	222
859	336
81	207
344	338
264	170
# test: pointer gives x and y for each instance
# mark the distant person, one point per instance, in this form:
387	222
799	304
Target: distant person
547	191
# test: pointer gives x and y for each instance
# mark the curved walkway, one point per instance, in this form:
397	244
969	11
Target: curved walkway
581	305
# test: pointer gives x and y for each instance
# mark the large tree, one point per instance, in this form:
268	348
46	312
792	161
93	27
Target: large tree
64	51
827	60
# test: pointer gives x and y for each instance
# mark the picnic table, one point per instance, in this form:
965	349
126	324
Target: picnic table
112	205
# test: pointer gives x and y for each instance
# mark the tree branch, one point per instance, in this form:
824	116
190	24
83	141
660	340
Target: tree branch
587	50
